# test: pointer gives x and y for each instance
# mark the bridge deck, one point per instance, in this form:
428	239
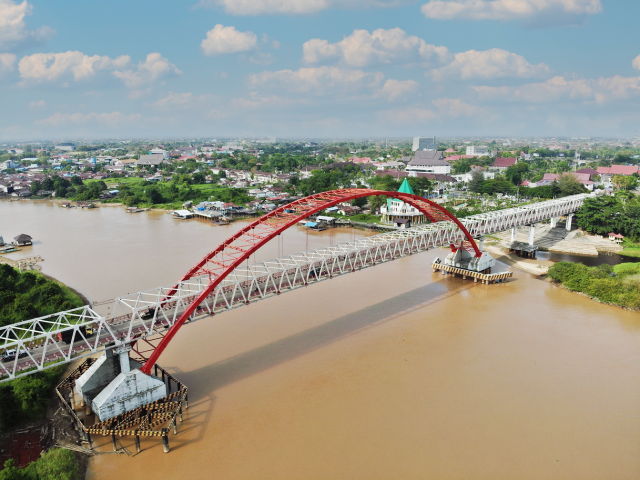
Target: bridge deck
144	315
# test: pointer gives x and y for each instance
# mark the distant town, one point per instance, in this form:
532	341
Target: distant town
256	175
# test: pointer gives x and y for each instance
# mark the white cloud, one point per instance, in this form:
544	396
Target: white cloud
393	89
38	104
41	67
558	89
270	101
406	116
540	12
380	47
319	81
111	119
154	68
7	63
455	107
13	29
636	63
259	7
223	40
494	63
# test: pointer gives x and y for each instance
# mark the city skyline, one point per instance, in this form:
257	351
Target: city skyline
318	69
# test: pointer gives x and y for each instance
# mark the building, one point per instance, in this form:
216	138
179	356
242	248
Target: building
160	151
9	164
430	161
23	239
424	143
504	163
478	150
152	160
67	147
402	214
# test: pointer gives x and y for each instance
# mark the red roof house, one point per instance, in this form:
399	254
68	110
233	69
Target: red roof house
504	163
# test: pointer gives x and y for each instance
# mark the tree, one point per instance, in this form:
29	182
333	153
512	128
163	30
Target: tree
76	180
477	179
376	201
570	185
600	215
625	182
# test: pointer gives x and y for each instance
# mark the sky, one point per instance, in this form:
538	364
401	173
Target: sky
318	68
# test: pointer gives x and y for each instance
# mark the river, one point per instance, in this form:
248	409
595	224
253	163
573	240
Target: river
390	372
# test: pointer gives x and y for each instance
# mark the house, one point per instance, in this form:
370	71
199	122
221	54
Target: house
429	161
616	237
618	170
152	160
393	173
589	171
583	178
305	172
360	159
23	239
502	163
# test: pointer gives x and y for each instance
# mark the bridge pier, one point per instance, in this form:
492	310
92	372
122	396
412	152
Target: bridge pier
569	218
532	233
554	222
514	234
114	385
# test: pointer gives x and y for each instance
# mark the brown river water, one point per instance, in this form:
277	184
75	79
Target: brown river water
392	372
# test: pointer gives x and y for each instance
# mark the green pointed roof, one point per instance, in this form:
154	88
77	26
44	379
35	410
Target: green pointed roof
405	187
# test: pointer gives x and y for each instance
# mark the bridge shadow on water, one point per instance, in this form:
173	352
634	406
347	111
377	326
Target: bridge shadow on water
267	356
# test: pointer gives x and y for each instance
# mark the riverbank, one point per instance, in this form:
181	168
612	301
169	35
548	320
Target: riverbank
617	285
528	265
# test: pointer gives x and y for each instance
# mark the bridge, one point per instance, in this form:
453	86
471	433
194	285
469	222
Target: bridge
147	321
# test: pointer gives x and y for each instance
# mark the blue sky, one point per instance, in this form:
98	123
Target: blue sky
318	68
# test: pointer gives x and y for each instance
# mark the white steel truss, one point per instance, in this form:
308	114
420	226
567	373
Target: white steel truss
65	336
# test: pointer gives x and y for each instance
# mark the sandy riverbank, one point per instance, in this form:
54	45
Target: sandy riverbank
529	265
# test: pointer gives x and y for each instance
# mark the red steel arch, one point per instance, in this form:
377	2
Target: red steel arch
236	249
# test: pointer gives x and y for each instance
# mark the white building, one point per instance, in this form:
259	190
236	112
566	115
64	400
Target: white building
479	150
160	151
67	147
424	143
9	164
466	177
429	161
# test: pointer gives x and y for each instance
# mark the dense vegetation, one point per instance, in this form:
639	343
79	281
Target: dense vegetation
57	464
25	399
617	285
603	215
30	294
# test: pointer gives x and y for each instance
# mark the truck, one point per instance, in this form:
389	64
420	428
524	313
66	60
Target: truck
67	335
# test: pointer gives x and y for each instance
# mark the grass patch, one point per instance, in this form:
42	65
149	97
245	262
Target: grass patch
631	249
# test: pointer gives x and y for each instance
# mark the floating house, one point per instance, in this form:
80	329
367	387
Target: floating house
23	239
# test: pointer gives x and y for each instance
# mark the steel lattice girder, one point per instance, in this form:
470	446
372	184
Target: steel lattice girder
37	338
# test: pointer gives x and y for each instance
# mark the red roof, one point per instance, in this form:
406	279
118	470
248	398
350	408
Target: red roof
618	170
504	162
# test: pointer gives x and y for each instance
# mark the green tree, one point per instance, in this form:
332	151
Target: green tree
477	179
601	215
570	185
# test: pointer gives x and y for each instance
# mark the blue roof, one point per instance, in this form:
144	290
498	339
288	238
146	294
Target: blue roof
310	224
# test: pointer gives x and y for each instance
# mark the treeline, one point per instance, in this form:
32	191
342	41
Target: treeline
56	464
605	214
29	295
618	285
